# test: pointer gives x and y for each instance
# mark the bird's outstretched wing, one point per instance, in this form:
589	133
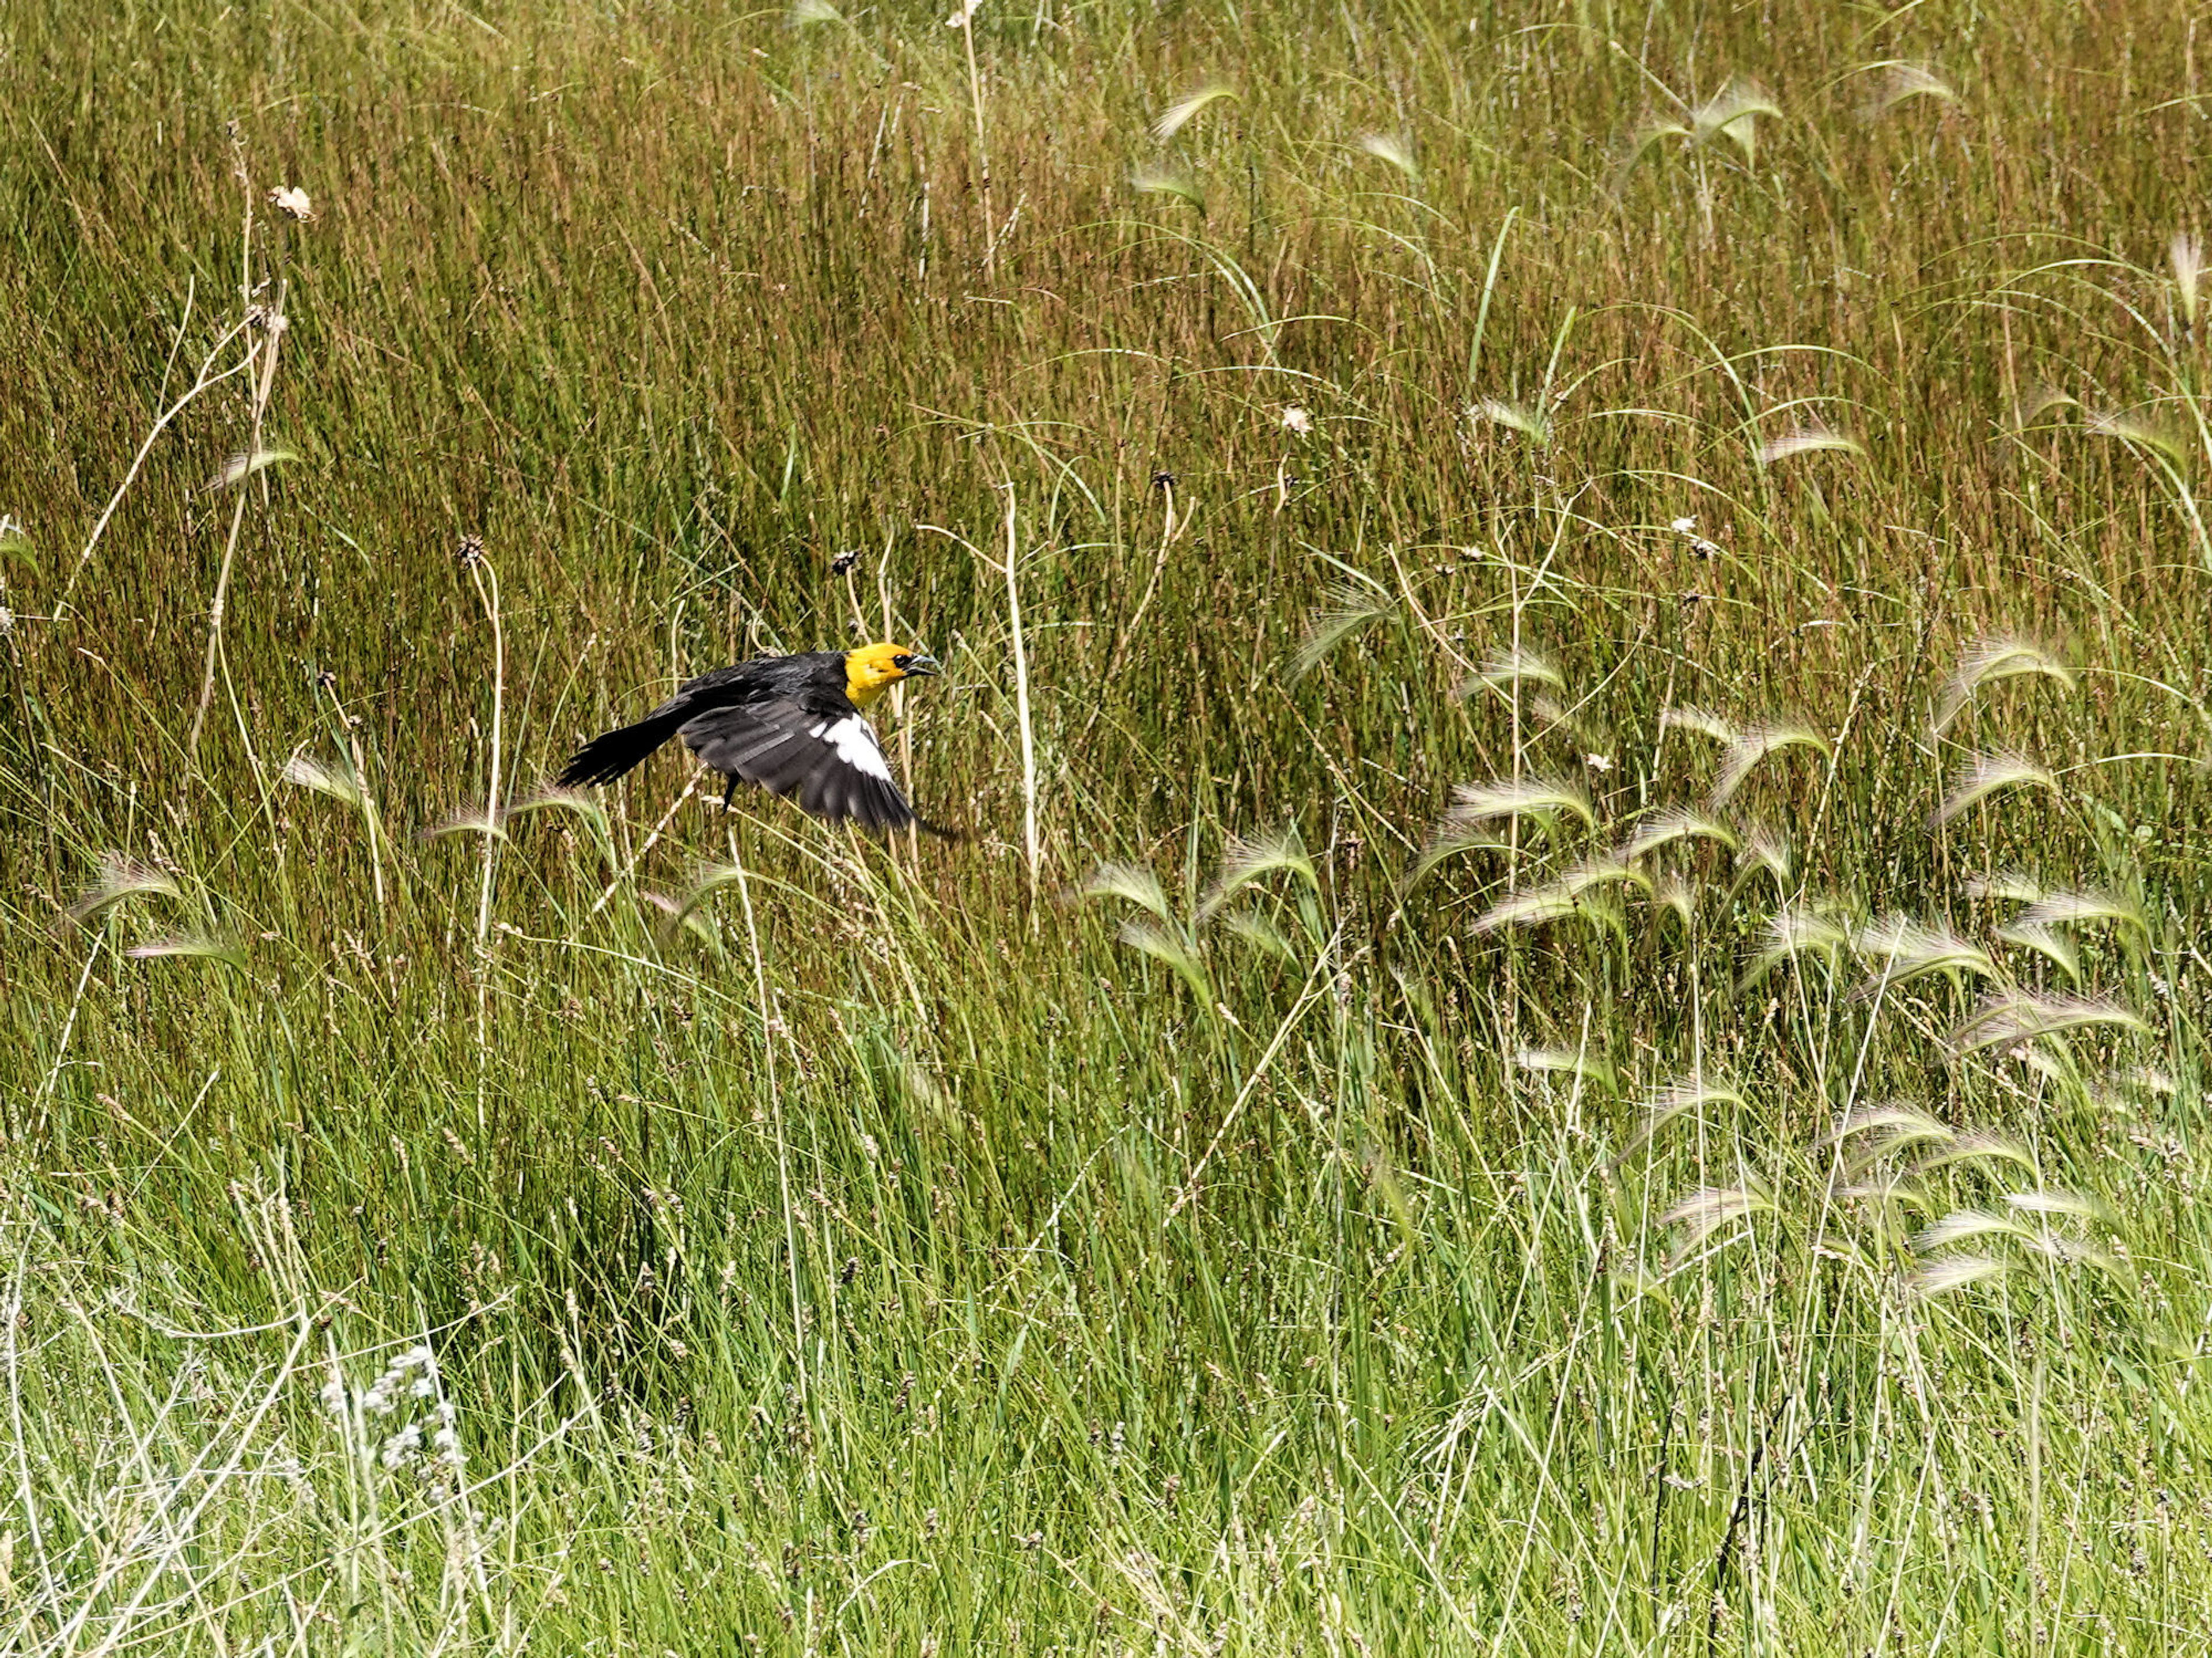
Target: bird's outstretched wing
829	763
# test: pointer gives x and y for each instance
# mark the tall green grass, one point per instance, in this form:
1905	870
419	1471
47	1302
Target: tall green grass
1575	649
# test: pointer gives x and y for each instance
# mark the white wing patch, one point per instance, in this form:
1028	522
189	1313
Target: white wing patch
855	743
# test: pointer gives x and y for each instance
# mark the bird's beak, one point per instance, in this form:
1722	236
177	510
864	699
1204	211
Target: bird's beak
926	667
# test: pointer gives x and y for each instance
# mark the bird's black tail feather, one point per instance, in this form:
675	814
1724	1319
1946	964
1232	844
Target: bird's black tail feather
606	758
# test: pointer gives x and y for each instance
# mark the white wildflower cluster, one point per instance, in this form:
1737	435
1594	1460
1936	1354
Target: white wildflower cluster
1687	528
407	1384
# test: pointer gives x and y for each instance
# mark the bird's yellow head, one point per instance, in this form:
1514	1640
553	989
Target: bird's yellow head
874	669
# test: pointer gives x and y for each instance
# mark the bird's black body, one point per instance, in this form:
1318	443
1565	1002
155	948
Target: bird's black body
789	724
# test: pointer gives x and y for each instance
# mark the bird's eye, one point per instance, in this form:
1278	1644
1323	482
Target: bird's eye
902	663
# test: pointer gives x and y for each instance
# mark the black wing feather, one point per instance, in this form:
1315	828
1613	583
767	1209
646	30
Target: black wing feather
773	744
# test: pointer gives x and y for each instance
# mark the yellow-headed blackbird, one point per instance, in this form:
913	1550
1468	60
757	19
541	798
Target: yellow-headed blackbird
791	724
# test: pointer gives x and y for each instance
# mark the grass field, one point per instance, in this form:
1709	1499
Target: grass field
1577	648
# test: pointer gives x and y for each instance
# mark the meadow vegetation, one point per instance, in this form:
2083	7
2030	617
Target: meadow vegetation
1577	641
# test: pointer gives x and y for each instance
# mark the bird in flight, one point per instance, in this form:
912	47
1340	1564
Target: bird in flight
793	725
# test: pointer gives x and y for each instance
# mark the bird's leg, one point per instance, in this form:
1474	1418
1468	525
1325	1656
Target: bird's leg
729	790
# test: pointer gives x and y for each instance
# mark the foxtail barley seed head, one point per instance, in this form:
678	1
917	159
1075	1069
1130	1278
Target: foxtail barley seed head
1542	798
1533	424
338	780
1989	660
1703	721
2047	942
1899	950
2144	429
1901	83
1812	437
120	879
1164	181
1669	825
1964	1225
197	946
1981	775
1168	946
1250	860
2084	905
1131	881
1392	148
2018	1015
1709	1209
1180	114
1517	665
244	463
1349	611
1948	1272
2185	254
1730	113
2004	885
1754	743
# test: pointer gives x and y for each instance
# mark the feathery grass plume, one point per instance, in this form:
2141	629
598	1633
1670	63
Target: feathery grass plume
337	781
1896	1126
1550	902
583	804
1901	1125
468	820
2070	1251
120	879
2047	942
1131	881
1390	148
1754	743
1180	114
1707	1209
244	463
1563	896
1902	82
1811	437
2040	400
2185	254
1980	1145
1533	424
1946	1273
1574	1062
2003	885
1981	775
1449	839
1168	946
1261	934
1672	1101
1798	929
1962	1226
1765	848
804	13
1542	798
1249	859
2074	906
1673	891
1996	657
682	915
2080	1205
1704	721
2143	430
1669	824
1729	113
1515	666
1347	612
1165	181
2018	1016
197	946
687	913
1901	950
